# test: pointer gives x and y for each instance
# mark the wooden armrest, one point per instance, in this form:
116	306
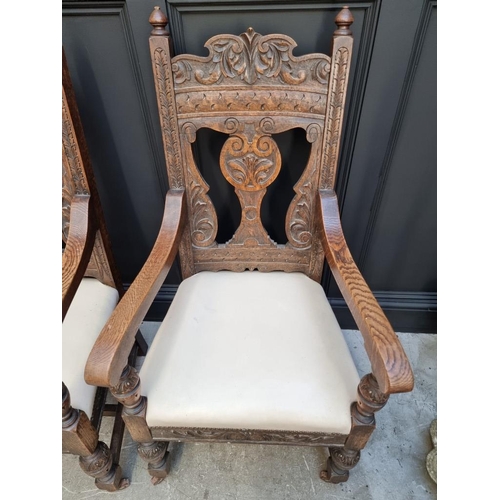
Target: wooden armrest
76	256
111	349
390	366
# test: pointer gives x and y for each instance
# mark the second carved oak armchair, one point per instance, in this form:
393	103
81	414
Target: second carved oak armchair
250	350
91	288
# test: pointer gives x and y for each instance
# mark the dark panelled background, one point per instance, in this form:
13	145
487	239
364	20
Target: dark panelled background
387	172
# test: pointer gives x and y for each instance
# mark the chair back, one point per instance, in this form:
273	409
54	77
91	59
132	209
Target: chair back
251	87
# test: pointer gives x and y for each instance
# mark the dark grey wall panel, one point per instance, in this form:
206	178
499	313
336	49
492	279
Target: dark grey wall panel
401	246
389	202
396	29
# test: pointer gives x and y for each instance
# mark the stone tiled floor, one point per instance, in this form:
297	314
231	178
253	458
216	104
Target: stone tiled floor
392	466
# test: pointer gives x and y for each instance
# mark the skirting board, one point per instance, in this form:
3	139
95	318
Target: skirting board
407	311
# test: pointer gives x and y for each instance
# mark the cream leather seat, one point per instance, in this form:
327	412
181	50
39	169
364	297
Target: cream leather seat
90	309
250	350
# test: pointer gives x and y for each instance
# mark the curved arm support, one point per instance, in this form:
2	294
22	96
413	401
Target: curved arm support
390	366
110	353
76	256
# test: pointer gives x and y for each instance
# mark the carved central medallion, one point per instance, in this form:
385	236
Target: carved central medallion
250	166
250	161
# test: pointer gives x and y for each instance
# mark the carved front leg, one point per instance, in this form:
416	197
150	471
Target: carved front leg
79	437
370	400
128	392
99	465
156	455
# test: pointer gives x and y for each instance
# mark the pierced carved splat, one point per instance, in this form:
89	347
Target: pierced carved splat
250	161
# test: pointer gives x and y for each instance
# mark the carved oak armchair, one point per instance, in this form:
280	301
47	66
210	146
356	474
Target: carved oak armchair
250	350
91	288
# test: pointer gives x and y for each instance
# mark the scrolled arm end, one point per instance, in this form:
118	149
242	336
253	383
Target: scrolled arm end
390	365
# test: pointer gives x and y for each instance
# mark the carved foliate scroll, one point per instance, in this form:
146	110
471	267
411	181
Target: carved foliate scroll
251	72
300	216
168	118
250	161
251	58
334	115
203	218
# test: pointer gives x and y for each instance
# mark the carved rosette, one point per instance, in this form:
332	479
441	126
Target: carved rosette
334	119
127	391
345	459
370	398
152	452
155	453
99	464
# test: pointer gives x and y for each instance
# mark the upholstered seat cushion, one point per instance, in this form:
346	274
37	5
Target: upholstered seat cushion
250	350
90	309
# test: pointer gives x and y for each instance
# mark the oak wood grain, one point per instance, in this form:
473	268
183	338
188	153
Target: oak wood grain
109	354
390	365
76	256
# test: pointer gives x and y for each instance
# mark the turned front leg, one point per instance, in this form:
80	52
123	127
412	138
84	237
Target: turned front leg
79	437
370	400
128	392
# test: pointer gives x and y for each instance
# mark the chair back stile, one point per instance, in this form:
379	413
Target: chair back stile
251	87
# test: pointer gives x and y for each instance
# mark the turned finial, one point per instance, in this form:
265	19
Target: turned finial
343	20
159	21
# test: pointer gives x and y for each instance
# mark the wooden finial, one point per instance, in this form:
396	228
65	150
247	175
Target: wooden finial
159	21
343	20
